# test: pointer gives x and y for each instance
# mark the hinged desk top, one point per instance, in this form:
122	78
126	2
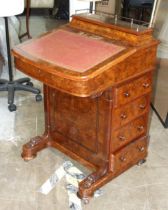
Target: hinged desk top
73	51
79	61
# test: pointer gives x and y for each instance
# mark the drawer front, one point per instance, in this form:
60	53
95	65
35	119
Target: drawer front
133	89
129	132
130	154
127	113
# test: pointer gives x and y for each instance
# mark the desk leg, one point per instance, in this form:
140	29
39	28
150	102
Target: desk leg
103	175
39	143
93	182
33	146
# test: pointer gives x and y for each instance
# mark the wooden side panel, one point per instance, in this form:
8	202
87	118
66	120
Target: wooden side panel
81	124
76	119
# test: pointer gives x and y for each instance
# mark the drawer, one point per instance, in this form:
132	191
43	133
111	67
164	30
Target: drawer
128	133
129	112
133	90
131	154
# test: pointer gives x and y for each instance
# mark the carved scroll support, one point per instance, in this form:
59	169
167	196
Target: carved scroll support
35	145
93	182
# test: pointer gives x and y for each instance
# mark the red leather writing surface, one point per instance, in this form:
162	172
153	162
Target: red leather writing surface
70	50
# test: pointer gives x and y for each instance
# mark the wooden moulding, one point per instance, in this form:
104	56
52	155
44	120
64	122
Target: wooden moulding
96	80
134	38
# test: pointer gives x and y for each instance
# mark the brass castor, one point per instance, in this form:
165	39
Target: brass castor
85	201
141	162
27	159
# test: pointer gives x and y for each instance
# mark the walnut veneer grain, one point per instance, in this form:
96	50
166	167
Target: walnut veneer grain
100	116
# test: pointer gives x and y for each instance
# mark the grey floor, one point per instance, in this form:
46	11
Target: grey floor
140	188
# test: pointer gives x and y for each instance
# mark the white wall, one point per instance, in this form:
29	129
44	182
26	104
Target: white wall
77	5
161	29
109	8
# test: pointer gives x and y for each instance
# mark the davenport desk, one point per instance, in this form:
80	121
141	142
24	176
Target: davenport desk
97	75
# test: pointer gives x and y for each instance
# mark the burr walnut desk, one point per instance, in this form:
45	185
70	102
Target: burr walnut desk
97	84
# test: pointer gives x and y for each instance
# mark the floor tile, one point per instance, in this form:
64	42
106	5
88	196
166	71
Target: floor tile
135	198
156	175
158	197
17	205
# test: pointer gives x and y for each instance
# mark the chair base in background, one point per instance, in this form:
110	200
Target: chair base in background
23	84
12	85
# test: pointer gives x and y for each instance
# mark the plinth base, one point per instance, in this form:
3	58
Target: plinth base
96	179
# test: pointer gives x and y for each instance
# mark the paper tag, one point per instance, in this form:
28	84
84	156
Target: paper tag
98	193
72	188
73	177
52	181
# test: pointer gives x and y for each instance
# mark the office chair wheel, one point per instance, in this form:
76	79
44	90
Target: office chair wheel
38	97
12	107
29	84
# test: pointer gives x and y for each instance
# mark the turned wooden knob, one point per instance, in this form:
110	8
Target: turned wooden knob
140	128
127	94
123	159
145	85
142	106
122	138
123	116
141	149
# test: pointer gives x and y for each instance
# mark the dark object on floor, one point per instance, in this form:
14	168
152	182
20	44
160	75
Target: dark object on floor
21	84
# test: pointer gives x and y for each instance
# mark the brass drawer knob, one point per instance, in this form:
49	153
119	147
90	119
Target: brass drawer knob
142	106
127	94
140	128
123	159
145	85
141	149
122	138
123	116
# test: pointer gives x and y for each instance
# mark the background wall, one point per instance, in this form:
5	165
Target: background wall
106	6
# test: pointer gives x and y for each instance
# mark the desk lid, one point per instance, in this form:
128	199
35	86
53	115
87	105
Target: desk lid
72	51
79	61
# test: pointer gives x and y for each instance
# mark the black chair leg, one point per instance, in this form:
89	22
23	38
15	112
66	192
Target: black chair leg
11	93
3	81
23	80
